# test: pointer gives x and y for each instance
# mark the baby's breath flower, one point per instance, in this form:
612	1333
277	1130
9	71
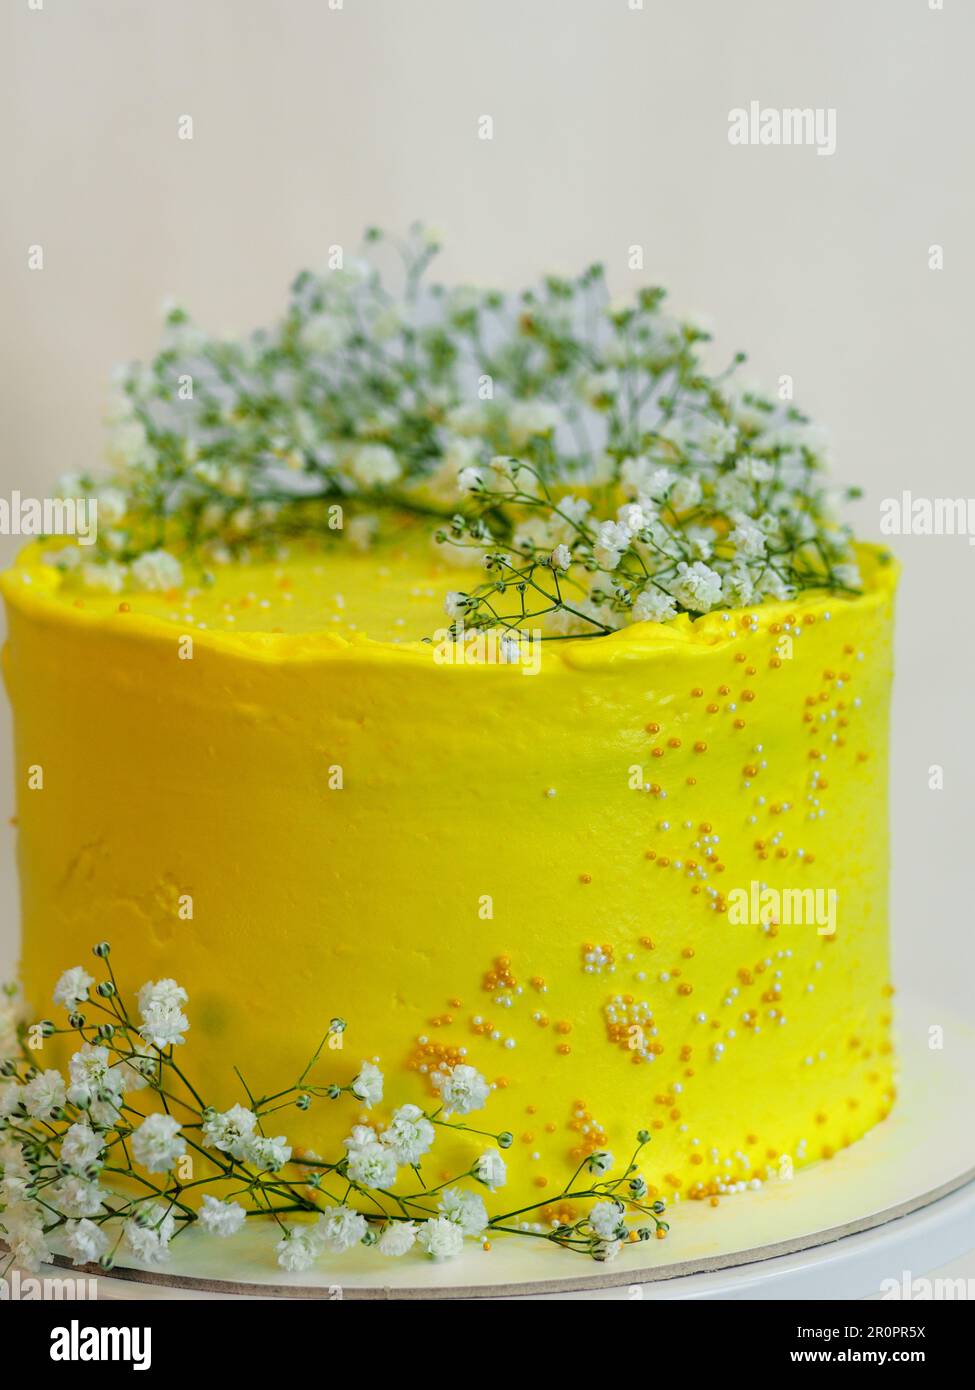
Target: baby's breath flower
462	1089
81	1147
221	1218
653	606
75	1196
606	1219
158	1143
612	539
455	604
441	1238
491	1170
370	1163
697	587
24	1235
73	987
298	1248
85	1241
266	1154
340	1228
466	1209
44	1094
368	1085
149	1232
398	1238
109	577
157	570
409	1136
163	1020
230	1131
10	1096
747	538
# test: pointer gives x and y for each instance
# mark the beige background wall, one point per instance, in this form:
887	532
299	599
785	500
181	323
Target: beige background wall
610	130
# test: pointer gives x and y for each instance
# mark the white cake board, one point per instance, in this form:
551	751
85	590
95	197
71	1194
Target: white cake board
902	1199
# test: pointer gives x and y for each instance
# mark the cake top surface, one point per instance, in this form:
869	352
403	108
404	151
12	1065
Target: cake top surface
326	598
391	594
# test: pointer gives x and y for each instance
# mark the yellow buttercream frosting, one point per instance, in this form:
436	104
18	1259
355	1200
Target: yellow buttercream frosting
556	869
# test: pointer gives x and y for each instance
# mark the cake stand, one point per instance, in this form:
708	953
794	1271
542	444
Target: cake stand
893	1206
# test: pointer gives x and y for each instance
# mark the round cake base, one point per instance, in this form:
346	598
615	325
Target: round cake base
898	1203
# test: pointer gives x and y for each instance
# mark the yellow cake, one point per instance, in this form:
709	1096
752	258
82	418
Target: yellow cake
578	871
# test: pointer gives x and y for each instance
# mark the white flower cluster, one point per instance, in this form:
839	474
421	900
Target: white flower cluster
62	1137
58	1134
726	513
599	471
441	1237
